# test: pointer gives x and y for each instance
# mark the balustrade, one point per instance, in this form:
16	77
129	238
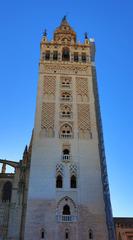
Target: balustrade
66	218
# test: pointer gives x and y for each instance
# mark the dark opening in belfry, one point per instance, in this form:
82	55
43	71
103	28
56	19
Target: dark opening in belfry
65	54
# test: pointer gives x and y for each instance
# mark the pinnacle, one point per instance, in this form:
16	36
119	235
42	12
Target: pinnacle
64	21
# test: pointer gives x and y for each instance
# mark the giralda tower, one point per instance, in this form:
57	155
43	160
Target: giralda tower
68	196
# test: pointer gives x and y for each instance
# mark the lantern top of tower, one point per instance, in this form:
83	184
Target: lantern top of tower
65	32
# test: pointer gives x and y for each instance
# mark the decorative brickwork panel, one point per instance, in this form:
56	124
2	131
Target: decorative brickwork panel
84	121
82	89
47	121
59	169
65	69
73	169
49	85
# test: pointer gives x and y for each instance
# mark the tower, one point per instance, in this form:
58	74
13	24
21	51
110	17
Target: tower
68	196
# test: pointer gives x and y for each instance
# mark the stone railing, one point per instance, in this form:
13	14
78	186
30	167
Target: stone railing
67	99
66	85
66	218
65	115
66	136
66	157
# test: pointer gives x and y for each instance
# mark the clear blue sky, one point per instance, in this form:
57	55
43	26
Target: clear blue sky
111	24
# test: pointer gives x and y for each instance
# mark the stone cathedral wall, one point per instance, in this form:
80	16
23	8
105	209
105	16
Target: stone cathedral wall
45	215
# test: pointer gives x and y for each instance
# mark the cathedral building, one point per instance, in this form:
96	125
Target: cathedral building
60	190
124	228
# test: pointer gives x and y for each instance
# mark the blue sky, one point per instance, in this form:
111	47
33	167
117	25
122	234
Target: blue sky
111	24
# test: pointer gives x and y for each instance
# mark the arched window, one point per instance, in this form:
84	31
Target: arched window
55	55
47	55
90	234
76	57
66	210
66	152
7	191
73	181
42	234
66	131
59	181
65	54
66	81
66	111
83	57
66	96
66	234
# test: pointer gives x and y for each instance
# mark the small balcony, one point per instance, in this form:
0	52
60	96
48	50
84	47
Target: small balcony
66	135
66	218
66	115
66	98
66	157
66	85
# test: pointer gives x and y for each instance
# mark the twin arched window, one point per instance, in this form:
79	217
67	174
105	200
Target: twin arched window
59	181
66	96
66	131
66	81
66	111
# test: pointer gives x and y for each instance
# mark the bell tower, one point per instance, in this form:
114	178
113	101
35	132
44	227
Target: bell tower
68	196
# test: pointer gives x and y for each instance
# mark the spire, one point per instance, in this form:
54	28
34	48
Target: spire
64	31
86	35
45	33
44	38
64	21
86	38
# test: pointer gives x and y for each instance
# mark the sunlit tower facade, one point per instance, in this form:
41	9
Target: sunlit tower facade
68	196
